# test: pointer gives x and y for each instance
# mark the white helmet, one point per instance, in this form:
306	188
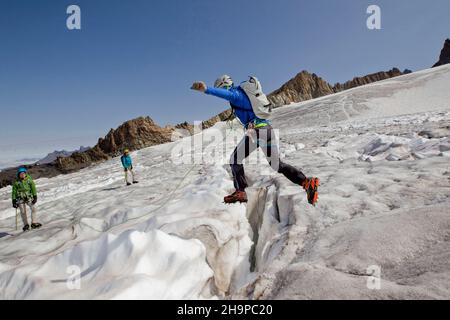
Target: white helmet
224	81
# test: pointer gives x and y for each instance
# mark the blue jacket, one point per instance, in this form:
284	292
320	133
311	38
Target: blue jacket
126	161
239	102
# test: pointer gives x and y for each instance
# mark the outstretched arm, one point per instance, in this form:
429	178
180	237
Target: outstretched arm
222	93
236	97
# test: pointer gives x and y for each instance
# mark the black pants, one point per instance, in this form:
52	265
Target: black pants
263	138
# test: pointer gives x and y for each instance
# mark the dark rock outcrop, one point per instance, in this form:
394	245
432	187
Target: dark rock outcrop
80	160
444	58
7	176
223	116
360	81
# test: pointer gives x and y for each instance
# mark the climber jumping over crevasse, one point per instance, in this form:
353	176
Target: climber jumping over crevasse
253	109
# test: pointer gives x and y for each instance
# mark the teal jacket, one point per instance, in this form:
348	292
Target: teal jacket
126	162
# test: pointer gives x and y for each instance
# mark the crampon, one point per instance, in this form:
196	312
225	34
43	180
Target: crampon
311	185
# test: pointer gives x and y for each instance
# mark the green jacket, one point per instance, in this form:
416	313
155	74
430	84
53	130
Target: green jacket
24	189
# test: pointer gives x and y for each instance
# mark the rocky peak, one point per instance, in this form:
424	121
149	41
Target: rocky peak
134	134
444	58
304	86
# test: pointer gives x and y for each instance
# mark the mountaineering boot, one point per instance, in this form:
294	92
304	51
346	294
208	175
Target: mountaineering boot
237	196
135	182
26	227
36	225
310	185
128	184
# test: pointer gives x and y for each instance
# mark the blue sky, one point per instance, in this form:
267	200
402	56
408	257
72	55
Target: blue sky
61	88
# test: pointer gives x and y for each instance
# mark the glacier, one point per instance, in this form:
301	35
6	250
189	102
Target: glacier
382	152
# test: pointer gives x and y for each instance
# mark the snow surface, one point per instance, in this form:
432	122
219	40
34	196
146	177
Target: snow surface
382	152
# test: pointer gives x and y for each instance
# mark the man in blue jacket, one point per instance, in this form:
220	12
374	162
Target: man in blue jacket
259	133
127	164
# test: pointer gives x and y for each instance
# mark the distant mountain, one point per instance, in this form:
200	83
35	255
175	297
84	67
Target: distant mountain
51	157
444	58
13	163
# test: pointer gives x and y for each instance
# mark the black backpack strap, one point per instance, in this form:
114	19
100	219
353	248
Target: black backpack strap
236	107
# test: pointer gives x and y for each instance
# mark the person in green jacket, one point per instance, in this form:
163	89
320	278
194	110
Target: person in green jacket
24	194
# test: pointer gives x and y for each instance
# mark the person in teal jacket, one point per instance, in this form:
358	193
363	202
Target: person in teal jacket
24	194
127	164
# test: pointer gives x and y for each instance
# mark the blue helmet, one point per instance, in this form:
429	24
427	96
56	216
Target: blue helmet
20	170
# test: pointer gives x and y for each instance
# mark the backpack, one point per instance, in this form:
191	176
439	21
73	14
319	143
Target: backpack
260	104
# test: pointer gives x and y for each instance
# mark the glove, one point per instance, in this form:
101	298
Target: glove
34	200
15	204
199	86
